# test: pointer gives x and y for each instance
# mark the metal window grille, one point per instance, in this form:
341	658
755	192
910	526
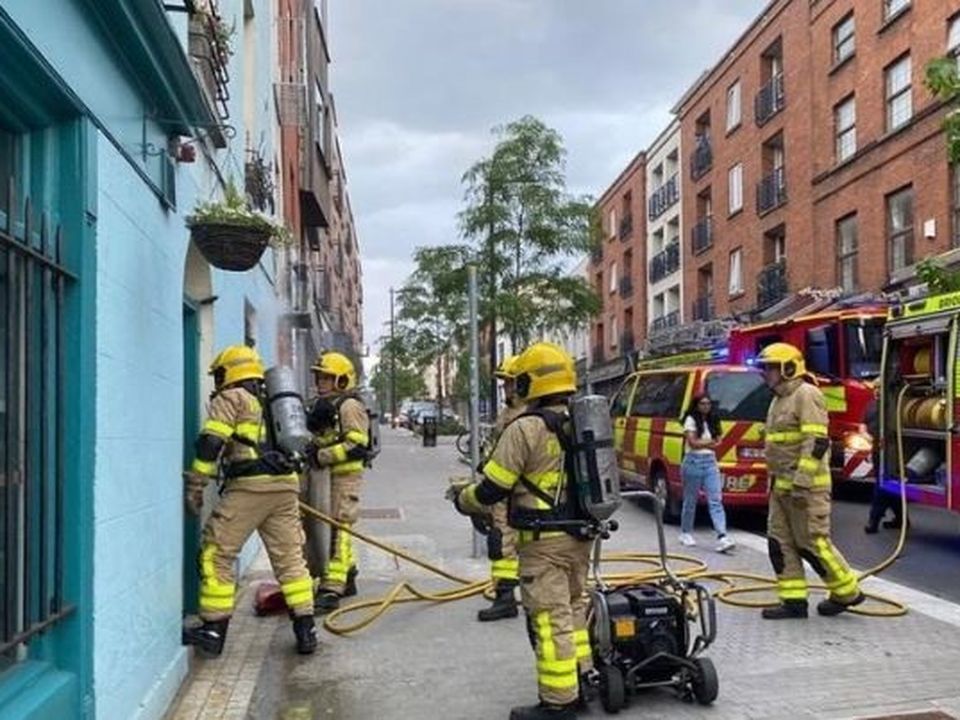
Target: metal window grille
33	282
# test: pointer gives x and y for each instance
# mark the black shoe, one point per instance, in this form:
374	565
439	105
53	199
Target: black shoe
350	589
543	711
305	631
325	601
870	528
831	607
504	604
588	691
895	524
208	637
787	610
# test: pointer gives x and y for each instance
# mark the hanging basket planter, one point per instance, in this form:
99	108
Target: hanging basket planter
231	236
230	247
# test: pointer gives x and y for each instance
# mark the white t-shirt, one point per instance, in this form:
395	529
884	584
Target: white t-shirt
690	425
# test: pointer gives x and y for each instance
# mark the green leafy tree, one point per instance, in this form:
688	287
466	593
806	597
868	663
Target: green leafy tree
409	377
525	228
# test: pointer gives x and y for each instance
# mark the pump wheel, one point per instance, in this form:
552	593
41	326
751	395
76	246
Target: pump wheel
706	684
613	693
661	488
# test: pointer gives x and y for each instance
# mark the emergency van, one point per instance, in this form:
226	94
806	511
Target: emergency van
648	413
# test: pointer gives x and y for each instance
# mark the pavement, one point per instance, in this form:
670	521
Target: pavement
428	661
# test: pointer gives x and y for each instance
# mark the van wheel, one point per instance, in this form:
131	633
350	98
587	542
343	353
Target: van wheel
671	506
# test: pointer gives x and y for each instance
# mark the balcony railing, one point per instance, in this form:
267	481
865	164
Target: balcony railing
597	355
626	286
772	284
671	319
666	262
703	308
770	100
772	191
701	235
209	48
701	160
627	342
626	226
663	197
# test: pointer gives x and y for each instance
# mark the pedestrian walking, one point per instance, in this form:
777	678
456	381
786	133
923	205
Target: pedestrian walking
699	470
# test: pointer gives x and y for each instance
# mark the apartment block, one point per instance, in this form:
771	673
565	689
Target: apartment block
664	219
617	270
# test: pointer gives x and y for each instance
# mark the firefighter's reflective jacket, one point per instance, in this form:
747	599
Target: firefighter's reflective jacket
797	444
344	446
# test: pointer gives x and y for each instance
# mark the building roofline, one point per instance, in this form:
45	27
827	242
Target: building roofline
672	127
731	52
638	161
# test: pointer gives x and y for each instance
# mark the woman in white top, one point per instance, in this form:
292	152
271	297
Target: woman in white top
701	428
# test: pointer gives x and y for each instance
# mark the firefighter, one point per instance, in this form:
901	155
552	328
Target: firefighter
501	538
342	427
797	452
260	493
527	466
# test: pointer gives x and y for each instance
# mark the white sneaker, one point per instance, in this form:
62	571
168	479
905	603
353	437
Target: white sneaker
687	539
725	543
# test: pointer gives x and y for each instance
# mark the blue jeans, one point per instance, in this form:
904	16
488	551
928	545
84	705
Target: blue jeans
701	470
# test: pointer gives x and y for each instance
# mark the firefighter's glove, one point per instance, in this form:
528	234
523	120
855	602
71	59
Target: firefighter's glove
457	484
193	485
321	415
482	523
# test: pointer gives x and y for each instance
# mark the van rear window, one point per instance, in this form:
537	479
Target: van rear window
739	395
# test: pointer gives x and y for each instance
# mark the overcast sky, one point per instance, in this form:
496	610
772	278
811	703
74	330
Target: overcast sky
420	83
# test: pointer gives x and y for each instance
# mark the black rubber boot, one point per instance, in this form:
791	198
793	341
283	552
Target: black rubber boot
350	589
325	601
831	607
787	610
587	687
504	604
305	631
543	711
870	528
208	637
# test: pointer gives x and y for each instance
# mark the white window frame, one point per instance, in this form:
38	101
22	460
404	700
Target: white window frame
845	129
735	188
844	45
898	98
849	254
953	37
735	283
614	335
612	222
893	7
734	106
613	277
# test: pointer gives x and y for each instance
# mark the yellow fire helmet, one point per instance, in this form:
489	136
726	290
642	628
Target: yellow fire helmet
544	369
785	357
236	363
337	366
507	369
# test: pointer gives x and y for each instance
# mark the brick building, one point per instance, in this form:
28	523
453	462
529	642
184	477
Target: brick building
617	270
817	155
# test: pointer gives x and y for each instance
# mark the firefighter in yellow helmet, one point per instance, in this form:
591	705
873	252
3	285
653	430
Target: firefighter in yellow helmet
798	457
341	430
501	538
260	493
527	467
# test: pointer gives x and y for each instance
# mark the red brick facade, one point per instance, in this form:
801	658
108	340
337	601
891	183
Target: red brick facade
618	271
786	231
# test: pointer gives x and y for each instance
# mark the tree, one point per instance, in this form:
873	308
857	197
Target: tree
433	308
525	228
943	80
409	377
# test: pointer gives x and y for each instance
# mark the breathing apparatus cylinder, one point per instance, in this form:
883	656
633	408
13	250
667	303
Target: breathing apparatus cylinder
288	419
597	478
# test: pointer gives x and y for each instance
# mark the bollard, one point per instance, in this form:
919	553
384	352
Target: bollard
429	432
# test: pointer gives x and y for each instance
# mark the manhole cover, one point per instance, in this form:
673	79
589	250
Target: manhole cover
381	514
934	715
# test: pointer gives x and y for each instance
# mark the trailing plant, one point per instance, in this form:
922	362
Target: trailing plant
234	210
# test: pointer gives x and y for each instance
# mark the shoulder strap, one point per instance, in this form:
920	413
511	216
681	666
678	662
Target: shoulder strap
552	419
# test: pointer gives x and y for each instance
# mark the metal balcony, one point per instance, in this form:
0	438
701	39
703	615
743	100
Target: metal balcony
663	198
772	284
772	191
769	101
626	286
671	319
701	159
626	226
701	235
703	308
666	262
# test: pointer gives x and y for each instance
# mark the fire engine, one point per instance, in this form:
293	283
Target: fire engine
920	401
